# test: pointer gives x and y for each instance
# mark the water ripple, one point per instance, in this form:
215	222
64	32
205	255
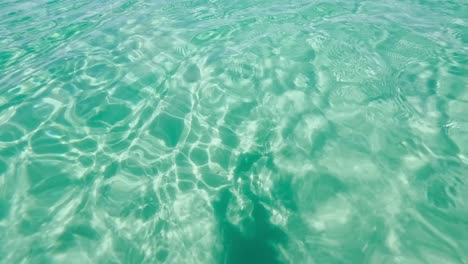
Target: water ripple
233	132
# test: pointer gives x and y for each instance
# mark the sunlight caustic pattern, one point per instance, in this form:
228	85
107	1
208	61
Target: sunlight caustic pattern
233	131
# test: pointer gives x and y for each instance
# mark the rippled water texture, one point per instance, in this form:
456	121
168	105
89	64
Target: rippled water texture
241	131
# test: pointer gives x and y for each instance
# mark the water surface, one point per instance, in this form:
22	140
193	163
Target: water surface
242	131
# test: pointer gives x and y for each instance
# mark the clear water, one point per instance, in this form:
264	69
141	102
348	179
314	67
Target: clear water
233	131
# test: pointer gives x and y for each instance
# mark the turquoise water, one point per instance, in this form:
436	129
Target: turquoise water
233	131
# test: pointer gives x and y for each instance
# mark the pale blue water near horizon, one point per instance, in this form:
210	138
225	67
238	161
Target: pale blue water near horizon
215	131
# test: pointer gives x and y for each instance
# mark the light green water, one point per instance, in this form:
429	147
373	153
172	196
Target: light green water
233	131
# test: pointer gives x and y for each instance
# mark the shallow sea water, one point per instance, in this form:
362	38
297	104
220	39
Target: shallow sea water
233	131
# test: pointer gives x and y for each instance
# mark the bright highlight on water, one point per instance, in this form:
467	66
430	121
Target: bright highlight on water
233	132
